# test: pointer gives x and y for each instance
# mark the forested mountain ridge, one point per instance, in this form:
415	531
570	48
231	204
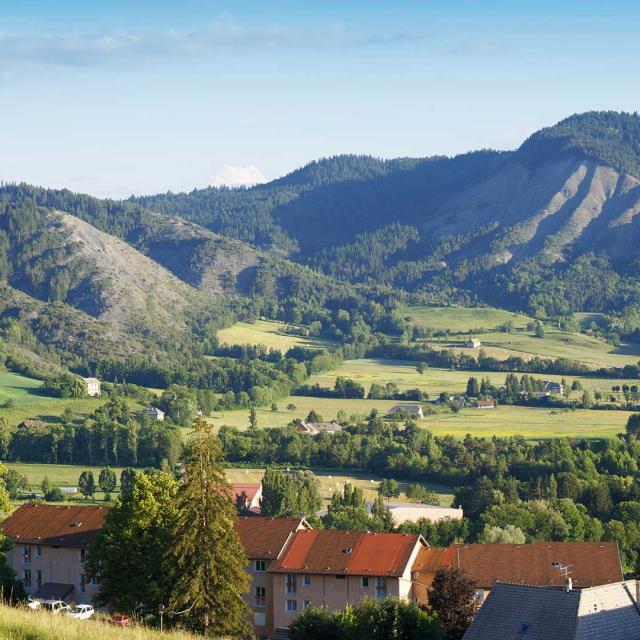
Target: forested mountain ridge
503	227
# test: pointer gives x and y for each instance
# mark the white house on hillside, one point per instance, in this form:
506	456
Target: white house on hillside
153	413
93	387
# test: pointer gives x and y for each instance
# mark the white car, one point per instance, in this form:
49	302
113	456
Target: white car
55	606
33	604
81	612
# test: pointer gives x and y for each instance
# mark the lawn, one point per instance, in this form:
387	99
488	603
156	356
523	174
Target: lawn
435	380
336	479
530	422
460	319
30	403
270	334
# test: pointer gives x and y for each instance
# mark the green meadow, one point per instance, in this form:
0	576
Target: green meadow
435	380
461	319
269	333
28	402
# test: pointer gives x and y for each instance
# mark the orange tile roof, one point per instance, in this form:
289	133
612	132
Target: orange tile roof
63	526
348	553
591	563
264	538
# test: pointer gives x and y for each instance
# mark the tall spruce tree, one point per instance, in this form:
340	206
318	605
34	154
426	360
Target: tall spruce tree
207	557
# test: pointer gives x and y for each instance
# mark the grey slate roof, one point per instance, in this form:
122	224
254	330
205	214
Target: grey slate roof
516	612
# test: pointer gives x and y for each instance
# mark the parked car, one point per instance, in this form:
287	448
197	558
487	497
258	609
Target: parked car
81	612
55	606
121	620
33	604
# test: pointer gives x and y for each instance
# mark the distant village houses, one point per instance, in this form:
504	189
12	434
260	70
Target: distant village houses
154	414
485	404
93	387
554	387
414	410
313	428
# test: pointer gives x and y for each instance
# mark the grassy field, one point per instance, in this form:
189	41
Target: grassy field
30	403
555	344
532	423
270	334
435	380
529	422
331	480
459	319
60	475
22	624
326	407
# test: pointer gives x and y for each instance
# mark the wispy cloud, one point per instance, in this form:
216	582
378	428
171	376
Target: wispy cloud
224	33
235	176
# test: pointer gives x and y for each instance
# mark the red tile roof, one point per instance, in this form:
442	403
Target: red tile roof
591	563
348	553
264	538
250	489
61	526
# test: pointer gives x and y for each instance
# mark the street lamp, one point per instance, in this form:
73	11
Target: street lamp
161	612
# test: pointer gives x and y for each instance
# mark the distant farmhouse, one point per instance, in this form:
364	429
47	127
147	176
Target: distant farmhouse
313	428
485	404
93	387
414	410
155	414
554	387
474	343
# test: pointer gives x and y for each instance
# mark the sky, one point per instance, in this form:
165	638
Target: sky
118	97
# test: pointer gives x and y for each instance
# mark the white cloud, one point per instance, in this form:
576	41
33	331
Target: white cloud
234	176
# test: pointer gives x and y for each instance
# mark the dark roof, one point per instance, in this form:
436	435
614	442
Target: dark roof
517	612
62	526
591	563
264	538
348	553
53	591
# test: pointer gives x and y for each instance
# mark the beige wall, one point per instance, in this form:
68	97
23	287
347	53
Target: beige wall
55	564
262	616
325	591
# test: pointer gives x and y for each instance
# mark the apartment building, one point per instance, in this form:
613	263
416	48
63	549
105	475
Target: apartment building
50	543
331	569
264	540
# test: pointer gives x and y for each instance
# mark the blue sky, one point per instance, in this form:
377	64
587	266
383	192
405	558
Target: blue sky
114	98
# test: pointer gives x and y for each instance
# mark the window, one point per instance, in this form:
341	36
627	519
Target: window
306	581
83	553
291	606
26	554
261	597
260	566
38	551
306	604
291	583
38	578
26	578
381	588
364	582
83	583
480	595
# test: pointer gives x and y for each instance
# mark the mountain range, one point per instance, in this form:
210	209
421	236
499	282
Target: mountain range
550	228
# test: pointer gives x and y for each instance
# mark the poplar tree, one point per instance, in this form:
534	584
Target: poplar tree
207	557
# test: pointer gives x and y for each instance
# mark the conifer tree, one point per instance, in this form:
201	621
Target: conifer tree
207	556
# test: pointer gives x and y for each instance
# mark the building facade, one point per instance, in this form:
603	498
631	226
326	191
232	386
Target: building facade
50	544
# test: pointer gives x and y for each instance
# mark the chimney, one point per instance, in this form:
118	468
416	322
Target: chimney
568	584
